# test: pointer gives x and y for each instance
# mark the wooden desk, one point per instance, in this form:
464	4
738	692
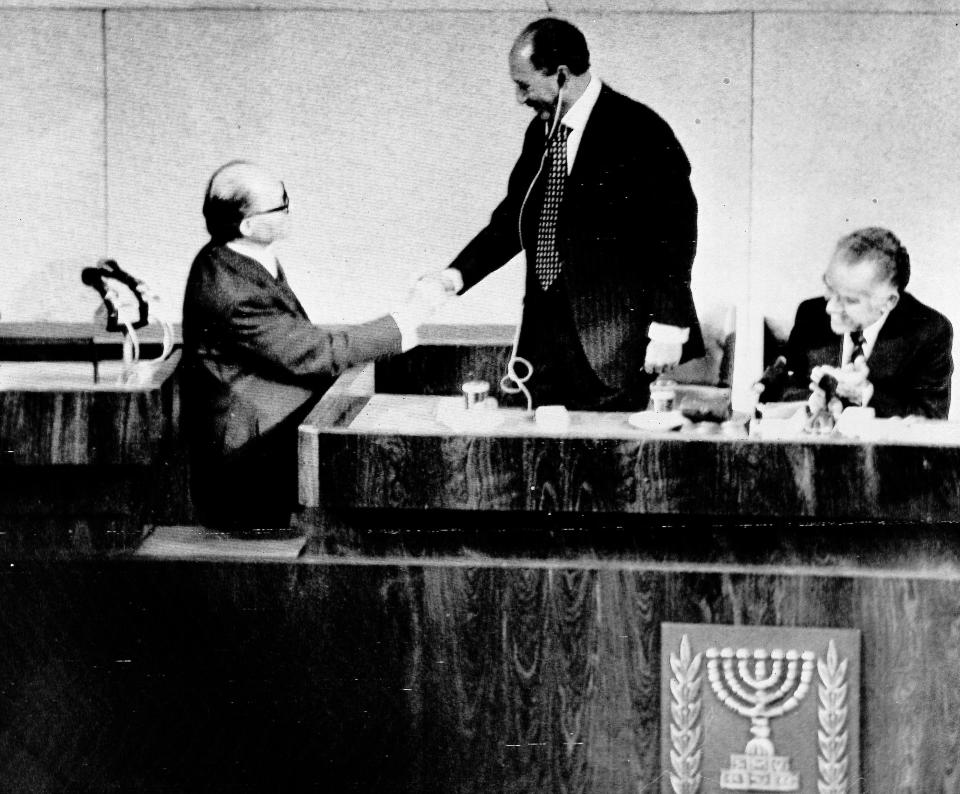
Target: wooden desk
80	462
388	452
538	566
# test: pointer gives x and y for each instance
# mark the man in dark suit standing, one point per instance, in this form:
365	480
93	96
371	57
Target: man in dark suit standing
253	363
886	349
601	202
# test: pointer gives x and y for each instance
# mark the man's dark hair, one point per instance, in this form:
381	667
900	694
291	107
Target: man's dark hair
556	43
226	201
880	246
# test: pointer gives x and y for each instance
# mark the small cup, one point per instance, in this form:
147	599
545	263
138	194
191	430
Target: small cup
474	393
663	395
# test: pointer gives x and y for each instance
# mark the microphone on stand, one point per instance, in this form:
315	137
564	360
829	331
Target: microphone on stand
824	420
828	384
773	376
772	381
93	277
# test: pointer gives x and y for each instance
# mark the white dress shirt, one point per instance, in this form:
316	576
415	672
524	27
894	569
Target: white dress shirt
576	119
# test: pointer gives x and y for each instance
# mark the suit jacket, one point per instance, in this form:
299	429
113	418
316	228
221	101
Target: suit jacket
626	233
910	365
253	367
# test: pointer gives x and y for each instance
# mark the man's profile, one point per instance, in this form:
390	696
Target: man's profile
253	364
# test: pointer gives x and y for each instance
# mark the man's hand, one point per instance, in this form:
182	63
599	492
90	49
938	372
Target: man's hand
662	356
446	280
853	381
427	294
425	297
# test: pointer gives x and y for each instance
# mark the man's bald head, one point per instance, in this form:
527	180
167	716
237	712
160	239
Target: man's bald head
236	190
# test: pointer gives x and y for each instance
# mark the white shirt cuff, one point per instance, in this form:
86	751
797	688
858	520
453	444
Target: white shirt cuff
668	333
408	326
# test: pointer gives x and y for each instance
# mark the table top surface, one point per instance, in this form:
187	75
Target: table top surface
425	415
78	376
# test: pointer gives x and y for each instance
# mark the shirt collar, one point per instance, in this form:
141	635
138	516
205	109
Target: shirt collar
576	118
262	254
870	334
872	331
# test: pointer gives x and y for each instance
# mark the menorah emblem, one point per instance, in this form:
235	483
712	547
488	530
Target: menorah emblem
759	685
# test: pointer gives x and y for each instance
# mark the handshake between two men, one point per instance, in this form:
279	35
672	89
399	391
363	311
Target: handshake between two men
664	348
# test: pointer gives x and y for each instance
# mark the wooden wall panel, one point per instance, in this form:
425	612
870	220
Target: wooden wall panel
450	676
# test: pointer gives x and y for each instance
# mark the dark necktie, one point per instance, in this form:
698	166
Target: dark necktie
548	258
857	338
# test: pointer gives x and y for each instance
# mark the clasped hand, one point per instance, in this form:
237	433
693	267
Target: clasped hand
853	382
429	293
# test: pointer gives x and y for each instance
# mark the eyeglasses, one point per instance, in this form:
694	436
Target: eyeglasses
285	207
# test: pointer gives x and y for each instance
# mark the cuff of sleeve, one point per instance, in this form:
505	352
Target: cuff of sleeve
408	326
455	279
668	333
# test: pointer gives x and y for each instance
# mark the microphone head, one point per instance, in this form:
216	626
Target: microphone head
829	385
773	376
92	277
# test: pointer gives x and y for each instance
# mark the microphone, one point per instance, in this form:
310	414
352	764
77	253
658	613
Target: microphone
93	277
113	270
828	384
108	268
773	376
824	419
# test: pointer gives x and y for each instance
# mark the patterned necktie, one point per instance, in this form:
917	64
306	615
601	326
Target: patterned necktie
548	258
857	338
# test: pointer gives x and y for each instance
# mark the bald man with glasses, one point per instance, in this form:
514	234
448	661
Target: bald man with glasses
253	363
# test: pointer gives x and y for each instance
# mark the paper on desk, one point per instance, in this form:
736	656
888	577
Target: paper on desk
397	414
454	414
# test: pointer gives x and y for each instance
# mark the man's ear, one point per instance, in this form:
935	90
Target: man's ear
244	227
893	300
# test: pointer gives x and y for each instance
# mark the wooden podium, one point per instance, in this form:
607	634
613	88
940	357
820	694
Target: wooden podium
83	444
534	570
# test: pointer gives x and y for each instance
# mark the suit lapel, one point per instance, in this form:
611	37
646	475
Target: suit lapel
827	345
586	151
253	271
282	285
891	344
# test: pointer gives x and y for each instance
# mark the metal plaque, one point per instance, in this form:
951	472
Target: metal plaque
759	708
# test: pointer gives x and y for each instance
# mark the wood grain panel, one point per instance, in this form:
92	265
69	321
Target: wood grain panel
897	687
440	677
586	641
84	470
655	475
443	369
